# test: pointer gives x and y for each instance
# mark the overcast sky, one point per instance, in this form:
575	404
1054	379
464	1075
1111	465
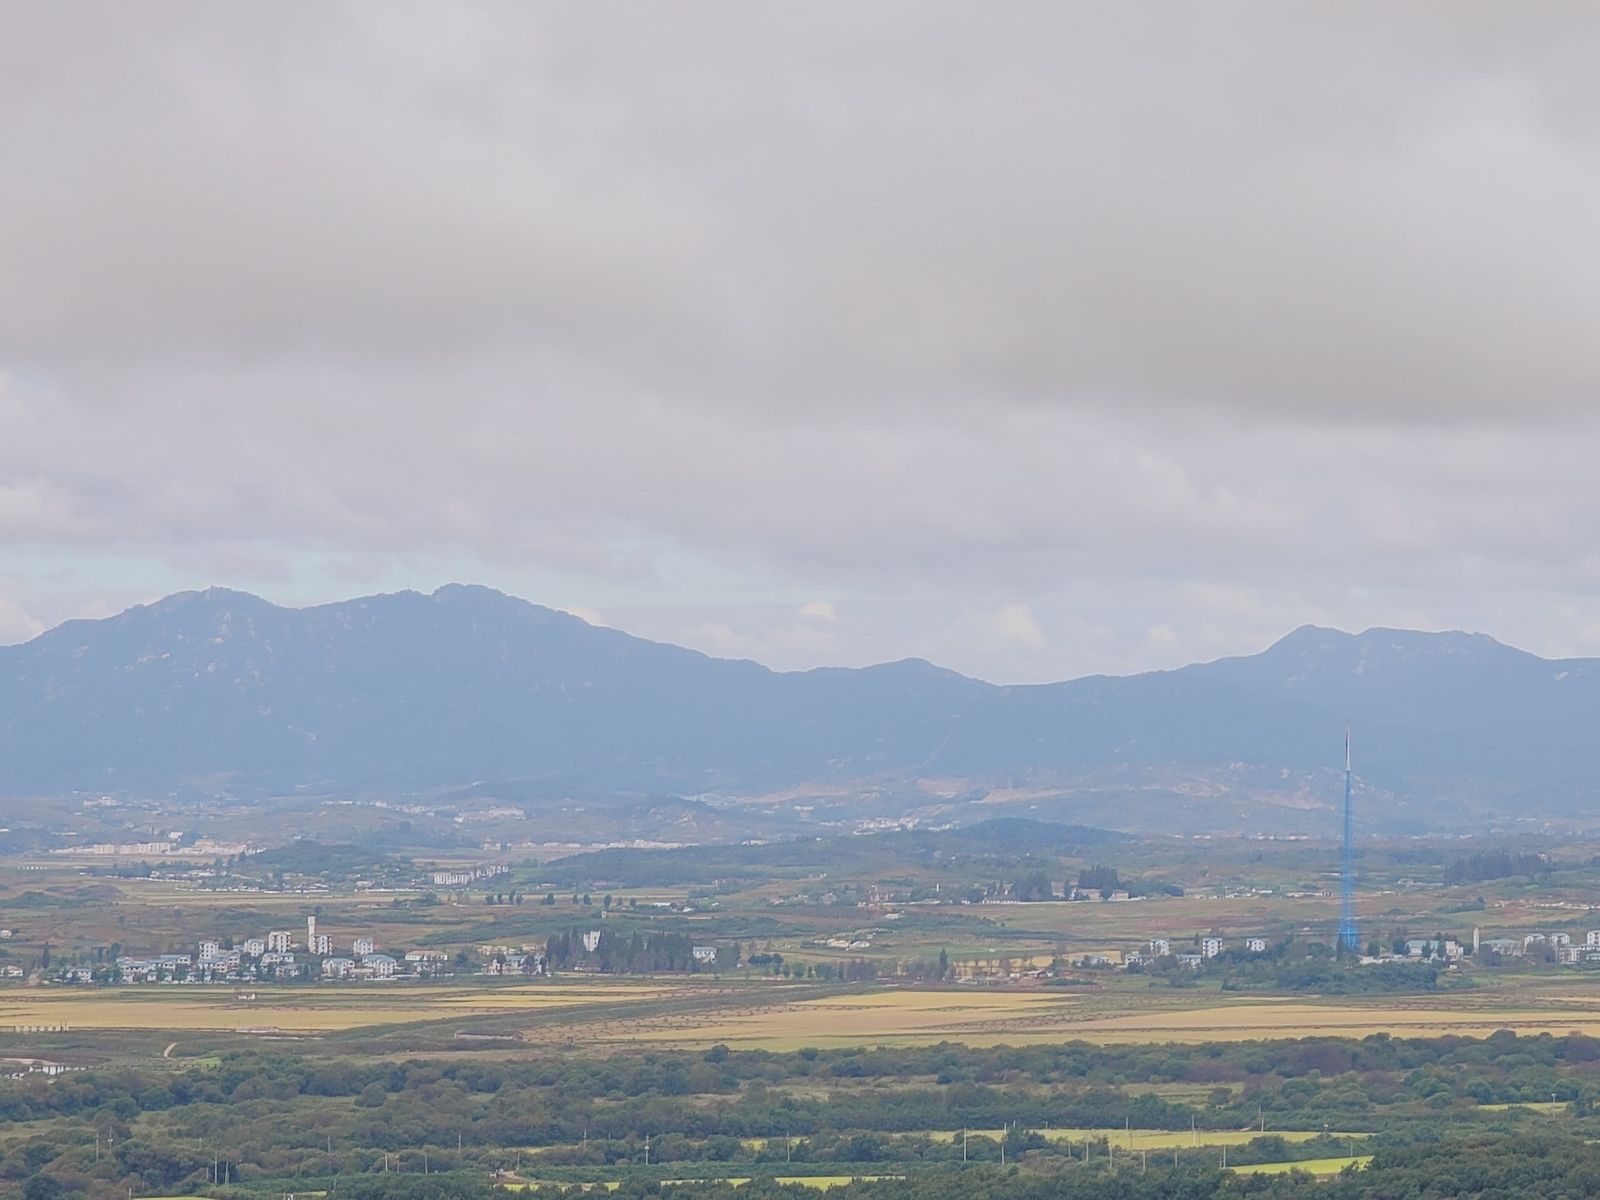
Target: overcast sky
1035	339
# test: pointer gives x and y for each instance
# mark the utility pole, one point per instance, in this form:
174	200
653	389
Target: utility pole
647	1149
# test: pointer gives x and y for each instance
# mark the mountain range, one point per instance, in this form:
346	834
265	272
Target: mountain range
221	692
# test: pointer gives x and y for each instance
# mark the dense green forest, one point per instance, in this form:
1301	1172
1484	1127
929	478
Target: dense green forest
272	1119
1483	1167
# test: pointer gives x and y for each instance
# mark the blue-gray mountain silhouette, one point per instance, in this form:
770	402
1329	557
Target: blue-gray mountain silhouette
223	691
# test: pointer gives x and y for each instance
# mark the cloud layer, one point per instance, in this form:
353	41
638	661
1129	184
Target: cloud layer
1039	340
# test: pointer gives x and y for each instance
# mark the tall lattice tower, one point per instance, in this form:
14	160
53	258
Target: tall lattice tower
1349	938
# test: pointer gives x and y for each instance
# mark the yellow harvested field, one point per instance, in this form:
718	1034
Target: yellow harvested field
1167	1139
982	1018
898	1017
1241	1022
290	1009
1311	1166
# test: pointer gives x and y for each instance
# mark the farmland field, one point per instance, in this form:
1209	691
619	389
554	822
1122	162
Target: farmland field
982	1018
1312	1166
294	1009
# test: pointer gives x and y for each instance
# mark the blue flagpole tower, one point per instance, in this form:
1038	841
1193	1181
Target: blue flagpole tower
1349	938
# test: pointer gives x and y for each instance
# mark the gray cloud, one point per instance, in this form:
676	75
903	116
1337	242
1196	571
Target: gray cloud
1042	339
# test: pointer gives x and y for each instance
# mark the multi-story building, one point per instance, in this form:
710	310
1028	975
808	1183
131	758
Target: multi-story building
1160	947
362	946
1210	947
279	941
320	944
254	947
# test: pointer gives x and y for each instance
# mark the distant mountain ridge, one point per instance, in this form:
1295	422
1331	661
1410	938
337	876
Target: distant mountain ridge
223	691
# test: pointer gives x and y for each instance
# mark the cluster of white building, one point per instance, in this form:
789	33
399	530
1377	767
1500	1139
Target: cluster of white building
513	960
468	875
275	955
1560	946
1209	947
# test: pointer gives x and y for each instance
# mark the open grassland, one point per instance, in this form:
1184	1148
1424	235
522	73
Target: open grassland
1311	1166
297	1009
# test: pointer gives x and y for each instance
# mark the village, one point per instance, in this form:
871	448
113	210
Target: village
271	957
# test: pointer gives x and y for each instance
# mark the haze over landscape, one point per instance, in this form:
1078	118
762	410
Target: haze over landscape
730	601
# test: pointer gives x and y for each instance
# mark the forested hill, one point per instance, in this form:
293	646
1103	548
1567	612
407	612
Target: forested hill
223	691
999	841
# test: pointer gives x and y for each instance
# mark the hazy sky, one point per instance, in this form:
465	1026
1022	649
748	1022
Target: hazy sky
1035	339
